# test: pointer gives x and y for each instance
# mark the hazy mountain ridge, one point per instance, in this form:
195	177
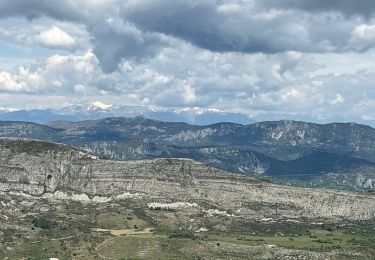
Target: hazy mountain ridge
98	110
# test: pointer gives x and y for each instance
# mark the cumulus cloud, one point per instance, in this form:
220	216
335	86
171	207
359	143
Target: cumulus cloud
55	37
337	100
46	33
8	82
177	76
187	76
56	74
363	37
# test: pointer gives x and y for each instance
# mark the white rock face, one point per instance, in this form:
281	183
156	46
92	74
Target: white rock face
39	168
174	205
278	135
192	135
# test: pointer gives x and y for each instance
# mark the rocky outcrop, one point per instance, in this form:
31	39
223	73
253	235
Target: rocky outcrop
40	167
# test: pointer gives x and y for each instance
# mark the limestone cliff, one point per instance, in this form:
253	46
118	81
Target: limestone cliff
39	168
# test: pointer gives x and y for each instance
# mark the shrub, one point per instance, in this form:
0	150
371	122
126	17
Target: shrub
42	223
163	230
183	233
24	180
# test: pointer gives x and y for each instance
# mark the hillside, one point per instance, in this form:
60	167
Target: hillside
40	167
62	202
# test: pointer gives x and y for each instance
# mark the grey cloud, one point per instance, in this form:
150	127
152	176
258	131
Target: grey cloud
347	7
112	43
141	28
112	38
249	26
220	27
64	10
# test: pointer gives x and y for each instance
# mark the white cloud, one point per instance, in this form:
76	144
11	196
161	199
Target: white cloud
101	105
339	99
55	37
45	32
8	82
24	81
79	89
363	37
57	74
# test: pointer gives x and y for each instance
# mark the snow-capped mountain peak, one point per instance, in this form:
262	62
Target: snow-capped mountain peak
198	110
101	105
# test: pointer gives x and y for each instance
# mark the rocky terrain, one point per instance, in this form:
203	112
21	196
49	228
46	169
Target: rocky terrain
57	201
324	156
38	168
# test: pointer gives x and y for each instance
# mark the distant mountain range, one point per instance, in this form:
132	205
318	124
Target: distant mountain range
98	110
335	155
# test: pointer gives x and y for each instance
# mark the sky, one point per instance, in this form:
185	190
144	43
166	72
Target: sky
310	60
